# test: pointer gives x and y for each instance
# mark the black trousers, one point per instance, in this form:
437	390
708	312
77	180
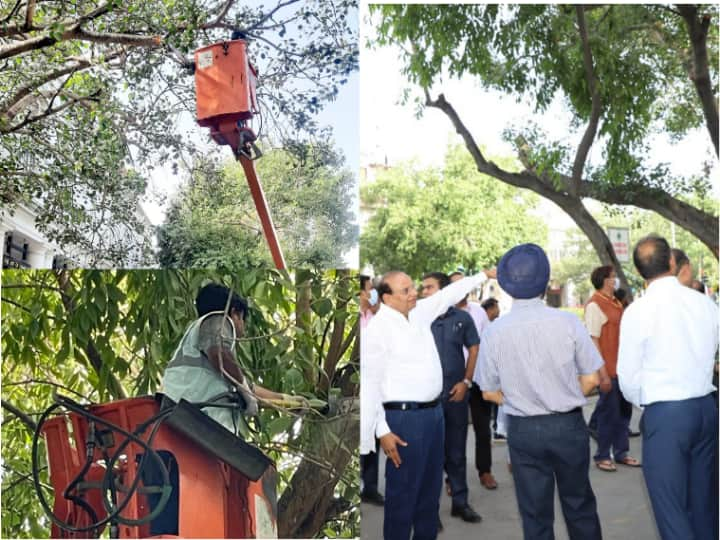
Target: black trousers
456	428
481	412
546	450
369	470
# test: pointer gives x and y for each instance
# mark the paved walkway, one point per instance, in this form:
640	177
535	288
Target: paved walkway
623	504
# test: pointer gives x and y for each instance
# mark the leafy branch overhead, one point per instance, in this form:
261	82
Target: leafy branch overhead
94	94
626	73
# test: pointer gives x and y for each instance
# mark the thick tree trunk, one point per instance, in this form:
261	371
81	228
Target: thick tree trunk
307	503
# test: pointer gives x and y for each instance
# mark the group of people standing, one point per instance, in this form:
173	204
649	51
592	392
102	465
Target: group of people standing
423	361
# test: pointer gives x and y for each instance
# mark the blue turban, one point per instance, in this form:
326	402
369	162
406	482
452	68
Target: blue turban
524	271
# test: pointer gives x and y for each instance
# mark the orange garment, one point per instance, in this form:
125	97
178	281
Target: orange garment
610	334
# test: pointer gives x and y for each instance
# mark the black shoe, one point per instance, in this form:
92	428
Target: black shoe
373	498
466	513
440	526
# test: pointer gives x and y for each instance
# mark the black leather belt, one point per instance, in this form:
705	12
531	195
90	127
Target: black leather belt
410	405
571	411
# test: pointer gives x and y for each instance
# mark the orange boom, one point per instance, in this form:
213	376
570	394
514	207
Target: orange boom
225	97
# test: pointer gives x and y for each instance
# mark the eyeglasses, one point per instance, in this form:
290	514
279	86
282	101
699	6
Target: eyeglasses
405	291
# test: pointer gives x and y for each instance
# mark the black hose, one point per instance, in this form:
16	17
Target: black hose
89	452
108	484
107	479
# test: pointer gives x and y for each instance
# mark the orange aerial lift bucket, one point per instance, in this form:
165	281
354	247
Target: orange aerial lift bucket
217	486
225	89
225	92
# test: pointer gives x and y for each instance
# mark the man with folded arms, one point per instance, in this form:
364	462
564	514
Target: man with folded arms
539	363
401	385
668	341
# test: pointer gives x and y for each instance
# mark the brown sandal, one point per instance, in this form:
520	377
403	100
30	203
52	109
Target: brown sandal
606	465
629	461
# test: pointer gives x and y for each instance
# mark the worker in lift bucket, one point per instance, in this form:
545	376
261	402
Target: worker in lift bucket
204	364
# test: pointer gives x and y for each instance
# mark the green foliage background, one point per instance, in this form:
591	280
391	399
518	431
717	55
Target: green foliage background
213	221
427	220
109	334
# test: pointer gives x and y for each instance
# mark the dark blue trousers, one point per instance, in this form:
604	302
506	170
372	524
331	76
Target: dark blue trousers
546	450
680	465
369	470
412	491
613	421
456	428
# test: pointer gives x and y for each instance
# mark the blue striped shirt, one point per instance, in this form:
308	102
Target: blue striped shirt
534	355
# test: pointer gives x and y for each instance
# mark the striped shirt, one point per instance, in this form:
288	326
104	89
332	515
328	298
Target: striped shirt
534	355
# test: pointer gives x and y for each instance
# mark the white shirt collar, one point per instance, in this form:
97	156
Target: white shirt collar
663	282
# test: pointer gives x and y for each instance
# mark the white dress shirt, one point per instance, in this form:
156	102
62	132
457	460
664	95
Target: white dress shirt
668	341
399	360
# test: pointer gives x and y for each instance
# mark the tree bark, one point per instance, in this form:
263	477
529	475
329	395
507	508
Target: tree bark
307	502
700	73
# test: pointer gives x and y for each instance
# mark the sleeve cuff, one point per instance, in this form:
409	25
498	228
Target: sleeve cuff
382	429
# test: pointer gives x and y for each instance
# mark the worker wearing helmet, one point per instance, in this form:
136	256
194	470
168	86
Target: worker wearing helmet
204	366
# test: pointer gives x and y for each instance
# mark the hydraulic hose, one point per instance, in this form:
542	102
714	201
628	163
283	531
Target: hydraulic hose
113	511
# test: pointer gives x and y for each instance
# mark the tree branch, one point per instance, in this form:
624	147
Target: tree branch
25	418
43	381
29	14
13	11
80	64
25	90
269	14
700	73
591	79
76	32
701	224
223	12
49	112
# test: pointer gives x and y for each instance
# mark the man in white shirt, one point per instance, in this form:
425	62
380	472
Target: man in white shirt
401	385
668	341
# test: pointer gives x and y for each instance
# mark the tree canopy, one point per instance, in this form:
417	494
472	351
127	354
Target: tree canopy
105	335
95	93
430	220
213	220
625	72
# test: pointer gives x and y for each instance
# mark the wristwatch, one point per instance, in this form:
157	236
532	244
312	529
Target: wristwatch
467	382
